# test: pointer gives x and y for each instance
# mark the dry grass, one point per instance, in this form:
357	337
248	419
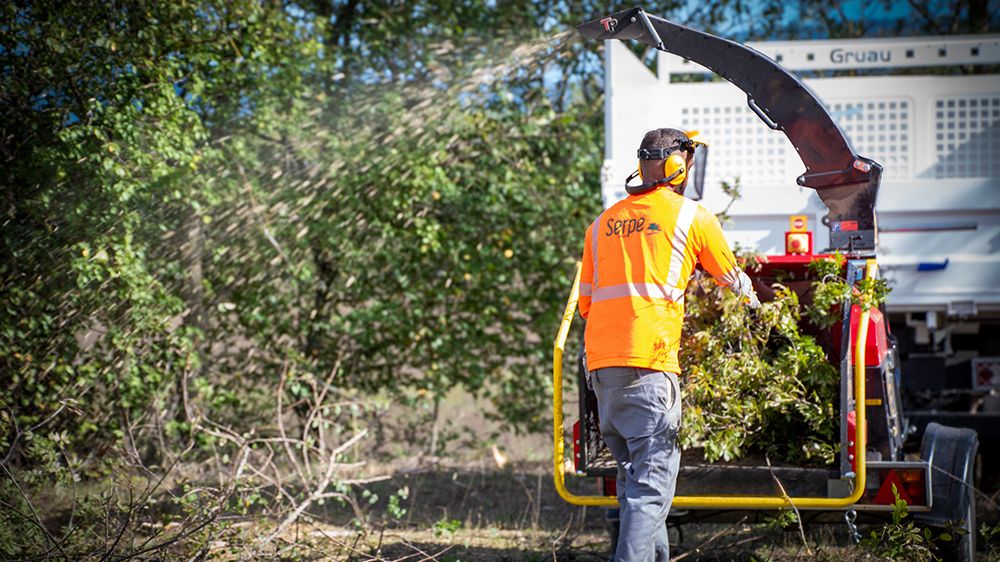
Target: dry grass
512	514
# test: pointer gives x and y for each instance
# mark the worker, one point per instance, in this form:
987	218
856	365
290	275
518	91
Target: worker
637	259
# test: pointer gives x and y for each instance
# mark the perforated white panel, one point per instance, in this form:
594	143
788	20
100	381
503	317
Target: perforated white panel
881	129
740	145
878	128
967	136
937	136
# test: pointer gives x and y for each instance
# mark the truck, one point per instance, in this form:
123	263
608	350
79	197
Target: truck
894	360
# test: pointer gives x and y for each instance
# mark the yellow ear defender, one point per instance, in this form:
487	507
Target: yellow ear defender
674	168
674	165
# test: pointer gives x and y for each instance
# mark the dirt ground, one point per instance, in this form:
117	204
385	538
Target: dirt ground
534	546
473	507
513	514
480	509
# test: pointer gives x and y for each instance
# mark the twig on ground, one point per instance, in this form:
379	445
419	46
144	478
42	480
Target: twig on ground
561	536
798	516
373	479
744	541
709	540
357	538
537	516
352	549
318	493
426	555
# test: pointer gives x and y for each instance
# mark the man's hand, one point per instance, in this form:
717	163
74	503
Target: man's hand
742	286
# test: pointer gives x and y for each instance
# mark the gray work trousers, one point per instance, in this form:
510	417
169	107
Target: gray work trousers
640	413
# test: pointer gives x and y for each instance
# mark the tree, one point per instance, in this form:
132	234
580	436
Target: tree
201	194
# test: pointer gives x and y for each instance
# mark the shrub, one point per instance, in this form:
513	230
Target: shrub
756	381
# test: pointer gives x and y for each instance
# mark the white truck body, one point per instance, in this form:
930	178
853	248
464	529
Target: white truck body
937	136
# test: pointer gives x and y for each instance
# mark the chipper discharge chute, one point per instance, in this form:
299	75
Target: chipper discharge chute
872	428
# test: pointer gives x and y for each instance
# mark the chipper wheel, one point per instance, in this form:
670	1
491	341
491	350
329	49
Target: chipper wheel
951	453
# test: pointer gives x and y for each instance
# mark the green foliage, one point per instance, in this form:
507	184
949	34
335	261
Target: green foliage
754	382
830	293
733	190
449	278
113	127
444	528
833	290
827	300
782	519
871	292
991	538
17	535
990	532
395	509
903	541
827	269
201	197
195	205
758	382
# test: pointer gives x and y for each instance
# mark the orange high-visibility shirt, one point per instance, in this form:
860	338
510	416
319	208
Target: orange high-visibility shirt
637	259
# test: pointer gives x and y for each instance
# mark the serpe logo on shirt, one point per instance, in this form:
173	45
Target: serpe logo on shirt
625	227
653	229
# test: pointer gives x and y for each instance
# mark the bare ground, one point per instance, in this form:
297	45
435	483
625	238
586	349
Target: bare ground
514	514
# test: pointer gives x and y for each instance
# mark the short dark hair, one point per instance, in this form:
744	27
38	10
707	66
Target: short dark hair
660	138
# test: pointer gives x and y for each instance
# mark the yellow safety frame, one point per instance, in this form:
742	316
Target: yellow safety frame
713	502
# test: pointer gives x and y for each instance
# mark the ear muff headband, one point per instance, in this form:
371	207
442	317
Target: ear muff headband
674	166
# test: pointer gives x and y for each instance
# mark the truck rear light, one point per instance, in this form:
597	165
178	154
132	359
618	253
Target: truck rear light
913	482
885	494
910	483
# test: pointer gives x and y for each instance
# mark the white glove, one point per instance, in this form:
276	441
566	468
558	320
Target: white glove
743	288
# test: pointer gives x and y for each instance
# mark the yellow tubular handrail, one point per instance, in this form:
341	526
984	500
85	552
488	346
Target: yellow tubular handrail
714	502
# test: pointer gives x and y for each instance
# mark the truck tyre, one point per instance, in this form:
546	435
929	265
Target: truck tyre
951	453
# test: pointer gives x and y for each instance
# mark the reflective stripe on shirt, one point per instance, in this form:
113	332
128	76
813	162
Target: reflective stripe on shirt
646	290
679	242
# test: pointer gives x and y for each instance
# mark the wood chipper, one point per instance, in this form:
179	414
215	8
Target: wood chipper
870	461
